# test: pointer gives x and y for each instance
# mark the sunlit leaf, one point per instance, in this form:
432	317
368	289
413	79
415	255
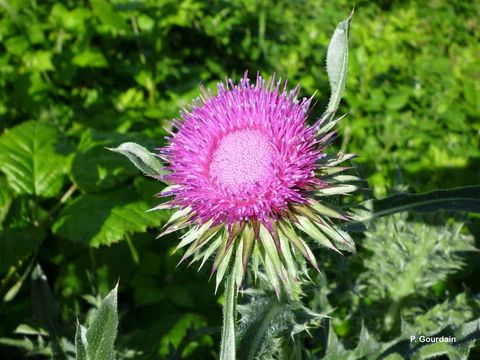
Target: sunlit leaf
33	156
103	219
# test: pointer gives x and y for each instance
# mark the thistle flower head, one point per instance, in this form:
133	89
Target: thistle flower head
245	171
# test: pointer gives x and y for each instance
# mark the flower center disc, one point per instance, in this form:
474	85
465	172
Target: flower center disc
242	160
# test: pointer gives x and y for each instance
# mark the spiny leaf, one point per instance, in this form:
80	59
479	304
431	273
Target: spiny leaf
81	343
102	332
267	322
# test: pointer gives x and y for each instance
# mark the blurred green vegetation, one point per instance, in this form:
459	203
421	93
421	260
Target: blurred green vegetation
79	76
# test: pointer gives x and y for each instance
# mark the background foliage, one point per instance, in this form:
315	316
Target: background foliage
79	76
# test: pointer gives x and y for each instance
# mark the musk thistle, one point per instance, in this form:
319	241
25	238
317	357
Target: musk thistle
248	176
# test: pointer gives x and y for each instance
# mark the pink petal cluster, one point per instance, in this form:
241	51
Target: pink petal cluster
243	154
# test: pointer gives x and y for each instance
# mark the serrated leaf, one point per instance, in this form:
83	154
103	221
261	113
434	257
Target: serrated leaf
143	159
104	219
102	332
33	157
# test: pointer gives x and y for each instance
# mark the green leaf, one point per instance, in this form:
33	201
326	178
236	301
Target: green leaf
465	199
81	343
397	101
105	11
405	251
337	61
143	159
5	200
33	156
104	219
465	337
46	310
23	273
256	321
95	169
16	244
102	332
227	345
269	328
90	58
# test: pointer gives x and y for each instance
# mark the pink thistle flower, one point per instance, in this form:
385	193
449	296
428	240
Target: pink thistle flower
245	170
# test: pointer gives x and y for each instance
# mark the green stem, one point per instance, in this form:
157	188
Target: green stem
227	347
62	201
132	249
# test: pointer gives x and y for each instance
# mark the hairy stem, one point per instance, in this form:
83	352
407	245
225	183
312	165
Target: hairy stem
228	347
